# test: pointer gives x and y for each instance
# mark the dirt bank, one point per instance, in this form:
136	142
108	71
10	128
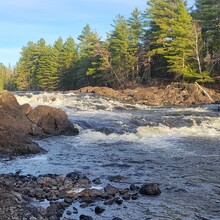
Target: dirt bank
176	94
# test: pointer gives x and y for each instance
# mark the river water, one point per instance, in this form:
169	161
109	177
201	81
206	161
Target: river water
178	148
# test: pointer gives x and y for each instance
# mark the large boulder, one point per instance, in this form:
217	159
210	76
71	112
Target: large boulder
13	143
51	120
11	114
18	123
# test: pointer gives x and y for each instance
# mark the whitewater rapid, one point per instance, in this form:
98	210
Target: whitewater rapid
177	147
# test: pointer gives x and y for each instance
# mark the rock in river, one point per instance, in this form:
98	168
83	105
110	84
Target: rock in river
150	189
19	123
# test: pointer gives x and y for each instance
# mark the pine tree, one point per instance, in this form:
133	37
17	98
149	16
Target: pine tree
3	72
89	42
173	36
135	25
122	51
47	75
70	58
207	14
25	68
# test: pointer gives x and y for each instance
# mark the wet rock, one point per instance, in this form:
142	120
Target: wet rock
18	123
116	178
134	187
126	196
13	143
68	212
99	209
75	210
83	182
150	189
74	176
68	200
110	201
123	191
134	196
85	217
118	201
97	181
111	190
83	205
53	217
51	120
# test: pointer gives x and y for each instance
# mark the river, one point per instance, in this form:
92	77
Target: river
122	144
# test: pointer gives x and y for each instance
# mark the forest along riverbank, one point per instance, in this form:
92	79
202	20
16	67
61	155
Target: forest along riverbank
120	149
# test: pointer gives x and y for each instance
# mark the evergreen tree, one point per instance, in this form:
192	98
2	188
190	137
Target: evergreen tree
122	51
89	43
136	30
24	70
6	77
3	72
207	14
173	36
70	58
46	70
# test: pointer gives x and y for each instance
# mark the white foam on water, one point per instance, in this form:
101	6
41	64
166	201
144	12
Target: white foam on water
85	107
86	103
208	128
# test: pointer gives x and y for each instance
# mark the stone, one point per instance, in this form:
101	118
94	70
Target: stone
68	212
85	217
19	122
118	201
68	200
134	187
75	210
111	190
26	108
97	181
110	201
99	209
179	94
51	120
151	189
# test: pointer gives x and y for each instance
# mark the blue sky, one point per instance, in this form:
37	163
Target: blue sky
29	20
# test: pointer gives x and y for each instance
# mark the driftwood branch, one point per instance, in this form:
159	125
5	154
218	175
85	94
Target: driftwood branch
204	91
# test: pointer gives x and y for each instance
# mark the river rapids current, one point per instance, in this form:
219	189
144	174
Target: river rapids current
125	144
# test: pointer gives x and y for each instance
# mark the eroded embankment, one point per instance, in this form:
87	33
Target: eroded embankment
176	94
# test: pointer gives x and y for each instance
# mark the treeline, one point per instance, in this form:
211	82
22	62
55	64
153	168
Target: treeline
165	41
6	77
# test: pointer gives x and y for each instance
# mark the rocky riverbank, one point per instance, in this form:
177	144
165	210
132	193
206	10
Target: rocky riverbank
176	94
20	124
54	196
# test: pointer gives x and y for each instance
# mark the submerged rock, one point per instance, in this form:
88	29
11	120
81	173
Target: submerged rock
150	189
85	217
99	209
